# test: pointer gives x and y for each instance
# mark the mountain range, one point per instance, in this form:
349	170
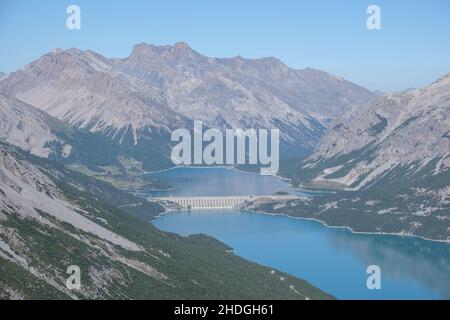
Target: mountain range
74	122
137	101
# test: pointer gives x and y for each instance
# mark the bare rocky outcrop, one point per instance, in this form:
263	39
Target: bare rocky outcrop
397	130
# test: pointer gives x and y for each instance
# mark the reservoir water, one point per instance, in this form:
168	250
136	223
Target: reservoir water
333	259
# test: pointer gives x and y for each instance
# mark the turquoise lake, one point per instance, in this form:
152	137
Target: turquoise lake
333	259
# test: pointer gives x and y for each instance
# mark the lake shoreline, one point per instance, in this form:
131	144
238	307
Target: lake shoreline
323	223
305	192
285	242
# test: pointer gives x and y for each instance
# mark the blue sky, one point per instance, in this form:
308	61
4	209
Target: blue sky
411	50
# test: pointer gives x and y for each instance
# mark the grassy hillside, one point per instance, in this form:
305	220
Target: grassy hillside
167	266
406	201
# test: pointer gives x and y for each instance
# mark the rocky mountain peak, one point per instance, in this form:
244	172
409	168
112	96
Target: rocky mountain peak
182	46
443	82
143	49
149	50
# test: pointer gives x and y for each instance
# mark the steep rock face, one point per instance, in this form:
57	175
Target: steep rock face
27	128
40	134
83	89
243	93
398	130
182	73
159	88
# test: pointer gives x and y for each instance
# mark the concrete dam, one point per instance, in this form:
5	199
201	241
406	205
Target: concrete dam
219	202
